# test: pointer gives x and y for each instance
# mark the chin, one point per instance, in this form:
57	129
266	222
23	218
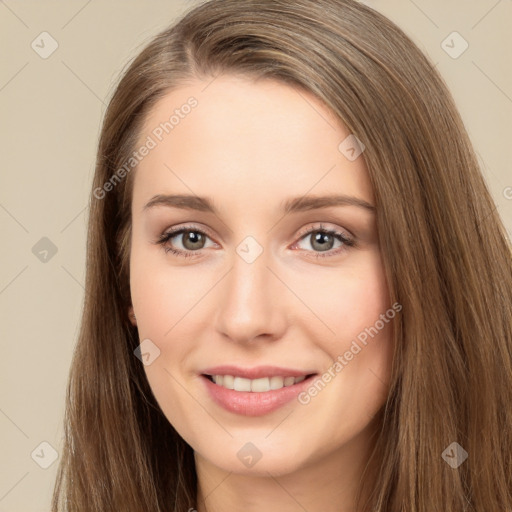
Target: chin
255	458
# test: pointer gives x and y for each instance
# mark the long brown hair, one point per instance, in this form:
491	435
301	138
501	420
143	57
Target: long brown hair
446	256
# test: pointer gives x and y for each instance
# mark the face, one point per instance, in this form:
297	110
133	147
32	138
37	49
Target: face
246	277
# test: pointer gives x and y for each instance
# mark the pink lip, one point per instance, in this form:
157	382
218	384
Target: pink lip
256	372
247	403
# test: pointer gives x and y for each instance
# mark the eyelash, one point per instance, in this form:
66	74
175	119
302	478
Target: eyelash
165	237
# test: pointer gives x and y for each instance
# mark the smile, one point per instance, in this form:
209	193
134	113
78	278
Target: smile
260	385
255	396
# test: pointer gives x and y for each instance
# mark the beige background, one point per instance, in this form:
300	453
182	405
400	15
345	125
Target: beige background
51	114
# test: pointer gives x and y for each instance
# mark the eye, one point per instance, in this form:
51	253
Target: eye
190	238
323	240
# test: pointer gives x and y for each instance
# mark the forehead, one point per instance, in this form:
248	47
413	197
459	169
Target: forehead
232	137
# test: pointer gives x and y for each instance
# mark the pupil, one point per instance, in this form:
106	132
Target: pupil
322	239
193	238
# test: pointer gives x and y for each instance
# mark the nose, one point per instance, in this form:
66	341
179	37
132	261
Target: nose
252	302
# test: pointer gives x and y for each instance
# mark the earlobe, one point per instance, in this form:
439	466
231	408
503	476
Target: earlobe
131	315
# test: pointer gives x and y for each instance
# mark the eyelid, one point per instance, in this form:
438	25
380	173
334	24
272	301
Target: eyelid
164	238
323	227
301	234
348	240
191	227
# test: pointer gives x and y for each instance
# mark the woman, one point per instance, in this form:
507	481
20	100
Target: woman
299	292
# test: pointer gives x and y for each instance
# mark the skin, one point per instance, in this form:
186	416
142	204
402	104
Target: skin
249	146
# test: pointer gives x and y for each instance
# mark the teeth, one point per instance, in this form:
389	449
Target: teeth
228	381
288	381
276	382
255	385
242	384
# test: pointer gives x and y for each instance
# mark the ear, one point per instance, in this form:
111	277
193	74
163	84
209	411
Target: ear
131	316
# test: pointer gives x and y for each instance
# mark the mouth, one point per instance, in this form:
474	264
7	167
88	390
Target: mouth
259	385
255	391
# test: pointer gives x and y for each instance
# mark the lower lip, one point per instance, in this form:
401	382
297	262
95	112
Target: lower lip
247	403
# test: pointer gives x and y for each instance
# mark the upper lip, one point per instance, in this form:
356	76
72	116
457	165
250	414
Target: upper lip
256	372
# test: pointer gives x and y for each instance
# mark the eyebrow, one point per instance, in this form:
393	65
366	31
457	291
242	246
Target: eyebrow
291	205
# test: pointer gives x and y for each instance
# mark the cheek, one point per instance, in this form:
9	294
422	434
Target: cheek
356	308
170	312
164	297
347	300
165	301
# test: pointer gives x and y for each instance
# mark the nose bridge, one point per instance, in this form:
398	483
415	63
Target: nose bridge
248	307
